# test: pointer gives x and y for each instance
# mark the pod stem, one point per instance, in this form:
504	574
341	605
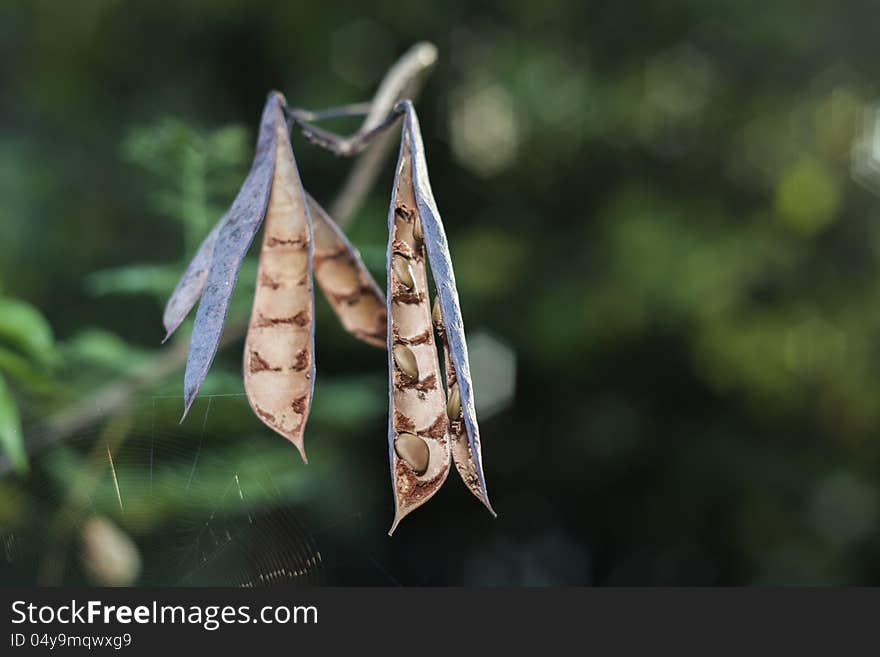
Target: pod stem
333	142
403	80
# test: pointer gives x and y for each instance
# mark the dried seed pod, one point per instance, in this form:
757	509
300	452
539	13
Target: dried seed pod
109	556
353	294
413	450
189	288
447	293
233	240
417	405
279	368
403	270
461	449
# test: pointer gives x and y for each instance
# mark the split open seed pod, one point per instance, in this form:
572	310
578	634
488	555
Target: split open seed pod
416	231
299	239
279	363
346	282
428	426
417	431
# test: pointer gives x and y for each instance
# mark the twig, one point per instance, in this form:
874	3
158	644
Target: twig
336	144
403	80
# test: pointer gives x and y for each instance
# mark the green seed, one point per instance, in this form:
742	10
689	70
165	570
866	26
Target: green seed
406	361
403	271
413	450
453	405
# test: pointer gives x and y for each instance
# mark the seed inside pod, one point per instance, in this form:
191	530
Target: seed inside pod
417	230
453	406
413	450
436	317
406	361
403	271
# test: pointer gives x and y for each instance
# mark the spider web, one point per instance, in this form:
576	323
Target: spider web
199	512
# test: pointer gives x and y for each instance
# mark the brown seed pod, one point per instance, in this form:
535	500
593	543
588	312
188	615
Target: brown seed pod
418	405
279	349
461	449
353	294
109	555
437	249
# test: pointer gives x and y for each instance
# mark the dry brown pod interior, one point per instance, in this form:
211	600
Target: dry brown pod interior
418	425
350	289
279	348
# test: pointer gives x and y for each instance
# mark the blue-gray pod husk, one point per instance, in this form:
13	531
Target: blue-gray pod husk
192	282
233	241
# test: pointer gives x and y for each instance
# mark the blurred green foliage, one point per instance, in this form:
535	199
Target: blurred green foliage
667	212
190	171
27	356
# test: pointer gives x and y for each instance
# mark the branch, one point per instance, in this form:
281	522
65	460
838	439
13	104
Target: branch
404	80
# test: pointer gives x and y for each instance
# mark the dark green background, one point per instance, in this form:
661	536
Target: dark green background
663	211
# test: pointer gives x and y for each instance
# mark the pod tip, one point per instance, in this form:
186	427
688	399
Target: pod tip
188	402
302	453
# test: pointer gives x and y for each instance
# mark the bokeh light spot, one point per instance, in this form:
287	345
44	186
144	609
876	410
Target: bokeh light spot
485	131
807	196
493	367
844	508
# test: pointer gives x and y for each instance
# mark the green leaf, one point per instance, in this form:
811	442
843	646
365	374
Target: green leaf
10	429
107	350
24	326
133	279
229	145
25	372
